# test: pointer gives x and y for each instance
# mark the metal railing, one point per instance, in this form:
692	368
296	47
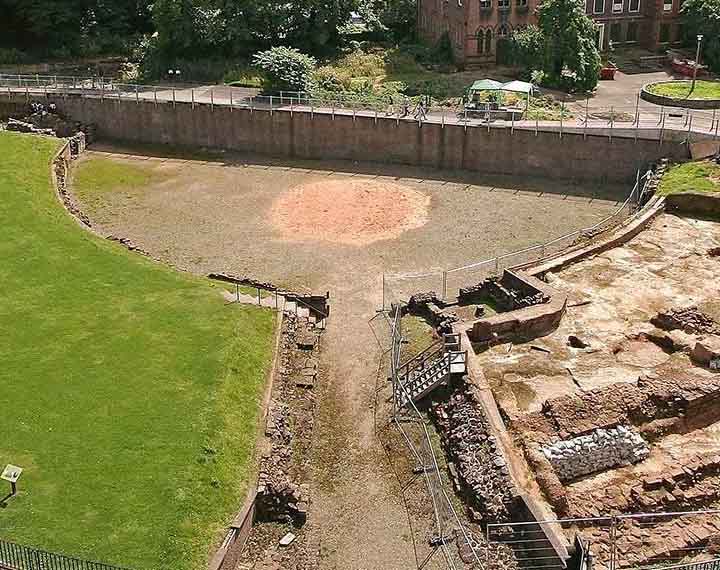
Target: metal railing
646	120
18	557
397	288
633	541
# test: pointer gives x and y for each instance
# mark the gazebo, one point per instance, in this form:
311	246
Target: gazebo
484	85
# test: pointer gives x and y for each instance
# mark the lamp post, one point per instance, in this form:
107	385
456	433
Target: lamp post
697	62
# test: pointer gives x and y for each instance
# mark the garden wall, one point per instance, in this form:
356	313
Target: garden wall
498	150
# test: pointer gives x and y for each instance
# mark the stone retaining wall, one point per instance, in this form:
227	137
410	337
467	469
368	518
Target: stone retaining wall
322	136
694	203
697	104
600	450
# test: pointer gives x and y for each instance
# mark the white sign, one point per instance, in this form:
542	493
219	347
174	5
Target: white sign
11	473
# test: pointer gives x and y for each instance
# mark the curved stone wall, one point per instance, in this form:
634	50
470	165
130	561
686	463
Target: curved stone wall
699	104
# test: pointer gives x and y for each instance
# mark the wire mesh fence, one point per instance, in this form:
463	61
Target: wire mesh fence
399	287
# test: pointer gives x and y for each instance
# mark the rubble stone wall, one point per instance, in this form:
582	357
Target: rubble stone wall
601	450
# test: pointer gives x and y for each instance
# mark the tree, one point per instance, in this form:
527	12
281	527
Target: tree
527	46
397	18
285	69
570	55
703	17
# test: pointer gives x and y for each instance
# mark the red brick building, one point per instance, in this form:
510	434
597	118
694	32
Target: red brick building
475	26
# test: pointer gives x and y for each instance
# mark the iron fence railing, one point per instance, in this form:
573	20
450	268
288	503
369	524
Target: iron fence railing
19	557
397	288
636	120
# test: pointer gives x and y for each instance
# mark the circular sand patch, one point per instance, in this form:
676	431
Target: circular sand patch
350	212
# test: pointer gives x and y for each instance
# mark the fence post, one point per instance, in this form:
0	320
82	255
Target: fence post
173	90
612	121
613	543
585	122
137	94
155	95
689	131
212	100
271	105
192	98
231	101
444	284
717	124
562	113
662	128
637	109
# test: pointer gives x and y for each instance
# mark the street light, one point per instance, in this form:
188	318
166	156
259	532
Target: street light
697	62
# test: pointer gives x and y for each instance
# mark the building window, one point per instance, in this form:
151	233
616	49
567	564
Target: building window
598	6
667	5
632	32
503	32
616	32
488	41
485	4
503	4
634	5
617	6
664	33
600	36
522	4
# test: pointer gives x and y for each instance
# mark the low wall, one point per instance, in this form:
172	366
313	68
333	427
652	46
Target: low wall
530	322
694	203
497	150
700	104
598	451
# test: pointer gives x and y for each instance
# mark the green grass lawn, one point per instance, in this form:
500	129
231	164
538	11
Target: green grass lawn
681	89
129	392
701	176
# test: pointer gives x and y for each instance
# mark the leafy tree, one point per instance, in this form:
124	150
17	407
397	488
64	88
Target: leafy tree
527	46
571	57
703	17
394	18
285	68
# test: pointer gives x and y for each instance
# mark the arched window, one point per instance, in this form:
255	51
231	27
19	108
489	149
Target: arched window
488	41
480	37
503	32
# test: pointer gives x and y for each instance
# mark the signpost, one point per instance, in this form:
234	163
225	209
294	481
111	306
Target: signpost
11	474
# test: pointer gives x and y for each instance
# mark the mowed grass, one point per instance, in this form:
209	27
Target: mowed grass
703	176
681	89
97	177
129	392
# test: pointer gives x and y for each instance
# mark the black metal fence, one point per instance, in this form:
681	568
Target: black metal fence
18	557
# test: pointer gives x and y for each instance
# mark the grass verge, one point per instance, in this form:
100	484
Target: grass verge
703	176
130	392
681	89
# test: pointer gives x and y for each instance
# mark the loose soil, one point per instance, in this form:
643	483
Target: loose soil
204	217
353	212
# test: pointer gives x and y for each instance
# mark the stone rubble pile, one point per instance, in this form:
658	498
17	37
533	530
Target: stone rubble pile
688	319
601	450
477	462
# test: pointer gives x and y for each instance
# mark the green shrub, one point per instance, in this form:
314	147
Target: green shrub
285	68
12	56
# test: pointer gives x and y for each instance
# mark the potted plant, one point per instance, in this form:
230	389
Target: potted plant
608	69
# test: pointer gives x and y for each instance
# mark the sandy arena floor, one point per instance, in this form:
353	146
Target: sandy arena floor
338	227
